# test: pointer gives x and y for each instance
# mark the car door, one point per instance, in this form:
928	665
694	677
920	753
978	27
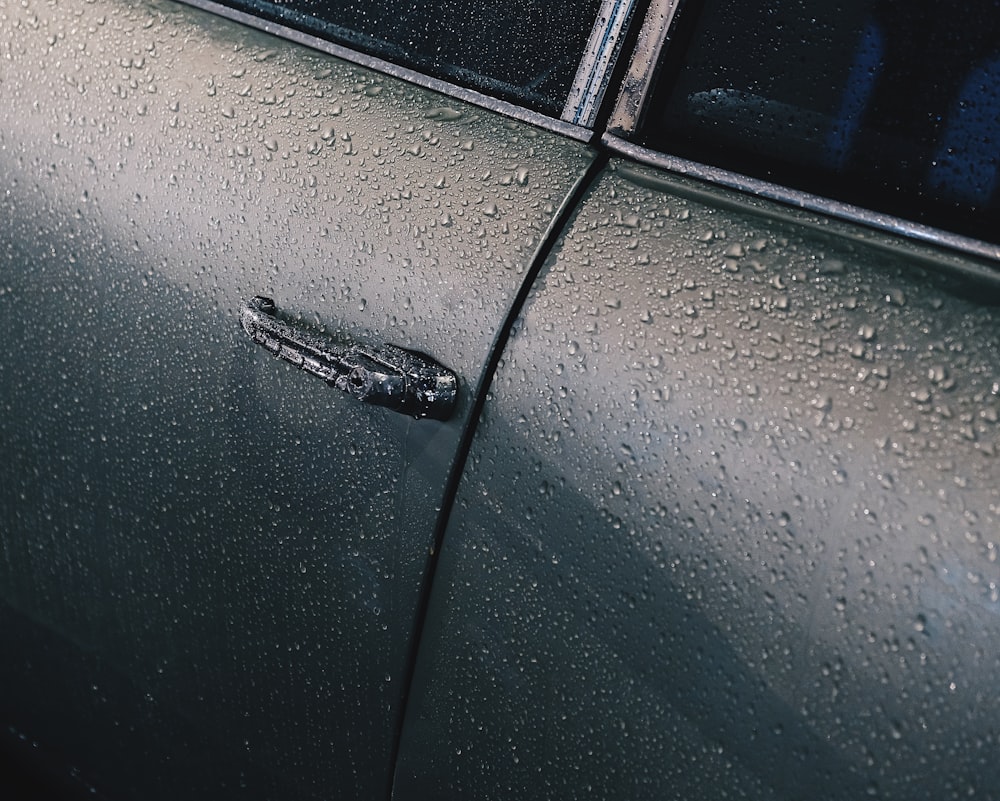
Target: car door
211	562
728	524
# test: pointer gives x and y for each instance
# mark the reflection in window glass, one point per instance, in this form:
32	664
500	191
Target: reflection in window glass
889	104
525	51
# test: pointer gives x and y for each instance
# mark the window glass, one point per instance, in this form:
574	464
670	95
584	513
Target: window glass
525	51
890	104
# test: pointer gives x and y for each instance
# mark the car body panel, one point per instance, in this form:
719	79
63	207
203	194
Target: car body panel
212	564
729	524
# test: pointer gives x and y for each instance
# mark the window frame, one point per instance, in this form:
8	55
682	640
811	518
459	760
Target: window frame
629	114
586	95
587	92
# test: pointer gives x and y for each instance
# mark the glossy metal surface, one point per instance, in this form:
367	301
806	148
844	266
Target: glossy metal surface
729	526
598	62
210	568
974	259
639	80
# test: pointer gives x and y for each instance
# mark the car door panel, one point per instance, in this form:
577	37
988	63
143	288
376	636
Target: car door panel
211	562
728	523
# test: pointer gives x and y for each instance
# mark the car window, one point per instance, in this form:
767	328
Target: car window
890	105
524	51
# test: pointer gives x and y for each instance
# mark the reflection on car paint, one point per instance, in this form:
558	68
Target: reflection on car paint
728	527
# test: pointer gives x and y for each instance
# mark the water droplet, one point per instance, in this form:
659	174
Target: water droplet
443	114
895	297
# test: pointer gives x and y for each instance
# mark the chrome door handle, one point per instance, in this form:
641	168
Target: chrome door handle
398	379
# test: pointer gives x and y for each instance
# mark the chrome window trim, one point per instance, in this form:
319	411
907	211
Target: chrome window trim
599	57
462	93
653	37
816	203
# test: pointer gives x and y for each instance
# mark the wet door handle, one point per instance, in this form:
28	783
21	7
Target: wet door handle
398	379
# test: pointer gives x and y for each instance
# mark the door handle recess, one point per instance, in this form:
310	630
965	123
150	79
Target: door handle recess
398	379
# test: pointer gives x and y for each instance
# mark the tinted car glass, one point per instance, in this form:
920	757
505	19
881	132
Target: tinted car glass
889	105
525	51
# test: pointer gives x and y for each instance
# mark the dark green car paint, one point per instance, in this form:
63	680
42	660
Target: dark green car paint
210	564
729	523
